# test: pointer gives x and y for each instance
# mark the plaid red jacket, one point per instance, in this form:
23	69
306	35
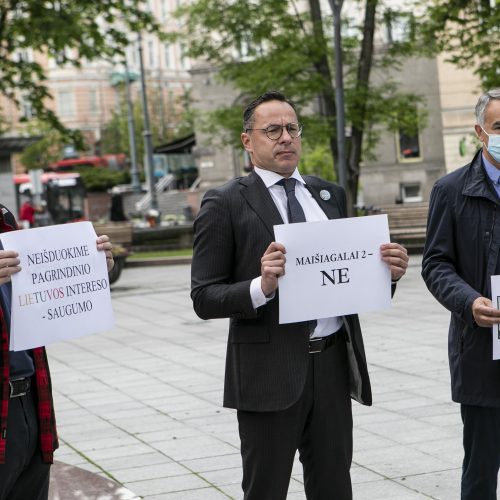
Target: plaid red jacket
47	423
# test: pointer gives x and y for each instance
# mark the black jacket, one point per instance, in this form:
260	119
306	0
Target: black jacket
266	363
460	255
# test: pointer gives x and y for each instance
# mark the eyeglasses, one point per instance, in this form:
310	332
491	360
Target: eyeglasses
274	132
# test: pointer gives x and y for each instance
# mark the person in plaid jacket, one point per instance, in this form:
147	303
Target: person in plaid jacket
28	435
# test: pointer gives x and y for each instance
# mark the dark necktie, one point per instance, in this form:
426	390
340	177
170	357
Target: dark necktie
295	211
295	214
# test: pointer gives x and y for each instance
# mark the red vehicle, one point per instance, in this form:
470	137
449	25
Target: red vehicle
113	162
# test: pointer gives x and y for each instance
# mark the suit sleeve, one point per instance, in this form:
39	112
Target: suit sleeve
439	259
214	292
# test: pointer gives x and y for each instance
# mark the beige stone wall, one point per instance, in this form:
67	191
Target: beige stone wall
217	164
459	90
382	179
166	70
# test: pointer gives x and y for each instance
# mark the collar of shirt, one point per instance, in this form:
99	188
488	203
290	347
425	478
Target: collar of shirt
492	171
270	178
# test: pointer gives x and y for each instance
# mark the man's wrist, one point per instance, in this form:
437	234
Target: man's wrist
259	298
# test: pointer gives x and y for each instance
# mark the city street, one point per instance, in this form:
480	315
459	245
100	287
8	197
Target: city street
141	404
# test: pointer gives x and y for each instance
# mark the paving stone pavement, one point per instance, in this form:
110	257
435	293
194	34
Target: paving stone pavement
141	404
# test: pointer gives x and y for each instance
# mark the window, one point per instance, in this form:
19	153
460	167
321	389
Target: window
245	47
151	54
63	55
164	10
65	103
399	26
26	109
408	137
409	147
25	55
184	59
167	55
132	54
93	101
411	192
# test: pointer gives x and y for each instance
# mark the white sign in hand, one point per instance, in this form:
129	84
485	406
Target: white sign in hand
495	299
333	268
62	291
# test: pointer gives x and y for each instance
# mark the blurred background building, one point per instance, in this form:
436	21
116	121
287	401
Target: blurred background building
403	169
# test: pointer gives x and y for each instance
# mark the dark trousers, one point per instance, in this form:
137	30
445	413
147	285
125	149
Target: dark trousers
319	425
23	476
481	452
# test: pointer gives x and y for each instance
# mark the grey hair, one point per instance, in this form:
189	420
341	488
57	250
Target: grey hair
483	102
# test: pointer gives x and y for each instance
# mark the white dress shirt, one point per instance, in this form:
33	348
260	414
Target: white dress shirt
313	213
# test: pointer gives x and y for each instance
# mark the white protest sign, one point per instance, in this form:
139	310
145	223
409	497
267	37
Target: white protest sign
495	299
333	268
62	291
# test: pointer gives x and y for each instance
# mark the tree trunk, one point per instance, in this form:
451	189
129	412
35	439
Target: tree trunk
361	91
323	68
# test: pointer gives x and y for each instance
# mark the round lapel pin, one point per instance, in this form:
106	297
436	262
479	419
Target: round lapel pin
325	195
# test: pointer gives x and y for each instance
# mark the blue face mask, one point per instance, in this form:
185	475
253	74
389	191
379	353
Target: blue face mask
493	145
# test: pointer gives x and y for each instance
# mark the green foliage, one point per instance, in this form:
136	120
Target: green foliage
223	125
407	112
46	150
468	31
184	252
168	121
102	179
276	54
184	125
317	161
261	45
70	31
115	136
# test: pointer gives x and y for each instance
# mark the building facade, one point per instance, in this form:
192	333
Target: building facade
404	166
85	98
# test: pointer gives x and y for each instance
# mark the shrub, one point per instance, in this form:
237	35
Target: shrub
102	179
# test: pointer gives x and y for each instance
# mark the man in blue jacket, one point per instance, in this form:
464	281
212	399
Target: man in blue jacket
460	256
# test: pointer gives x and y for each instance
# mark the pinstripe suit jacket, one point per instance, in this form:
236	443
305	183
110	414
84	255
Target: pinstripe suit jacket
266	363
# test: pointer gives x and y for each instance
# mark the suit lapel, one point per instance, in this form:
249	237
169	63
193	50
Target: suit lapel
259	199
328	206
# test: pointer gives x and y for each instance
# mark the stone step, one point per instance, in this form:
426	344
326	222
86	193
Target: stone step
169	202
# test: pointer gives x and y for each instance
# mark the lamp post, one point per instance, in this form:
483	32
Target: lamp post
148	146
134	172
336	6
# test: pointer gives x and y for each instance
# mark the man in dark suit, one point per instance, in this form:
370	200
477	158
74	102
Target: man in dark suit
291	384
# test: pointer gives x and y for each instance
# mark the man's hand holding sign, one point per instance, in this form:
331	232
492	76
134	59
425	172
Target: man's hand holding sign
59	276
325	276
274	259
396	257
9	265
